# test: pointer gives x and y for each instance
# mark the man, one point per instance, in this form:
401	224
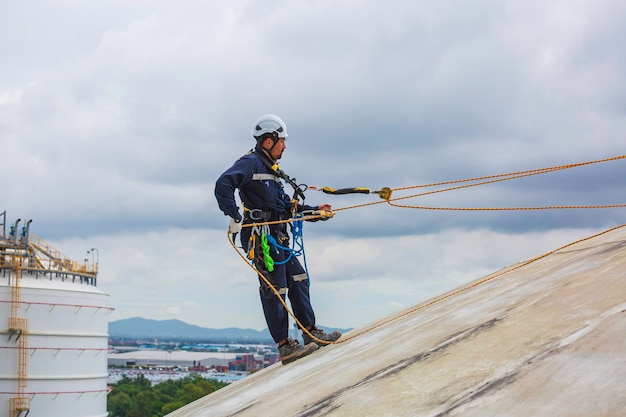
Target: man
259	181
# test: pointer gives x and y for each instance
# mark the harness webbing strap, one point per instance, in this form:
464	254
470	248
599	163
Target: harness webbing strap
280	173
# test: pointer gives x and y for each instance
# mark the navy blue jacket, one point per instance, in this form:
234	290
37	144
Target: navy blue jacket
259	188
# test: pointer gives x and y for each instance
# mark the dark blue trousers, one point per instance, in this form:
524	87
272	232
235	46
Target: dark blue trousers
290	280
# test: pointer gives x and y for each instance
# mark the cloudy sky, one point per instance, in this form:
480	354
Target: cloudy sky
117	117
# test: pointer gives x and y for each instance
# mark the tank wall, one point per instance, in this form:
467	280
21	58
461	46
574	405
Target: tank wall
59	311
83	405
66	352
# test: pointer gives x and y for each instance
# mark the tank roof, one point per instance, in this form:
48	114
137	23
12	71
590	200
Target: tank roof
544	338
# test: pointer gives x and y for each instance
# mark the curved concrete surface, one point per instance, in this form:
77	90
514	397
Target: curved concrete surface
545	339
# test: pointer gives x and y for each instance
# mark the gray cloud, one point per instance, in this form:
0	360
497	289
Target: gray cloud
116	118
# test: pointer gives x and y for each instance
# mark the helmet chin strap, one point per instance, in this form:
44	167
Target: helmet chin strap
274	138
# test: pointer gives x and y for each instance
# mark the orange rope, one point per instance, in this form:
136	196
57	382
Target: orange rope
489	179
274	290
509	208
519	174
426	304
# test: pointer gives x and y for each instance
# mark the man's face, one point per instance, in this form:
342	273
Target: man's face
276	152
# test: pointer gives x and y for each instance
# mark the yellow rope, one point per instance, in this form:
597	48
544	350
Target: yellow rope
475	284
518	174
482	180
425	304
509	208
273	288
488	179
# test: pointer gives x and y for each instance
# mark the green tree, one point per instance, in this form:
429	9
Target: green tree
190	393
136	397
171	406
144	405
118	403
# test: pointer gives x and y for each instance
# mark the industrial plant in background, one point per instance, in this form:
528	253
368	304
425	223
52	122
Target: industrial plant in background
53	329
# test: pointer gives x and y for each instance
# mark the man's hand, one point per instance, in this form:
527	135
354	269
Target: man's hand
235	226
323	212
326	211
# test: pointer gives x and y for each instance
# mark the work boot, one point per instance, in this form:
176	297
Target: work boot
293	350
321	335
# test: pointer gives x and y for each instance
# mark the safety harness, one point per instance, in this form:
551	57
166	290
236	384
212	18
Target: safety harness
298	192
260	236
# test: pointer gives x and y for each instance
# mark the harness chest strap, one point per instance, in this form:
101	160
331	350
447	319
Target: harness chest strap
273	166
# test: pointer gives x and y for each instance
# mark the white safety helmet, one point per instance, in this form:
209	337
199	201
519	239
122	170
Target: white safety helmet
269	123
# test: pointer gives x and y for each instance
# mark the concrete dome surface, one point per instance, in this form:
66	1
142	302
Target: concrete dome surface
545	337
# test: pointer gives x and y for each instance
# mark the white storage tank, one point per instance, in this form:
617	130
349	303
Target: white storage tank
53	331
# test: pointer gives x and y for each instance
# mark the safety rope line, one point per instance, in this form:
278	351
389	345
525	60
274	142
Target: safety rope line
510	208
273	288
477	283
426	304
518	174
490	179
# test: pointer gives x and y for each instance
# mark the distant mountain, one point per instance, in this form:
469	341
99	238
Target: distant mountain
138	328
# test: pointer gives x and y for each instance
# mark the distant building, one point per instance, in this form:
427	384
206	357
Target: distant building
248	363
